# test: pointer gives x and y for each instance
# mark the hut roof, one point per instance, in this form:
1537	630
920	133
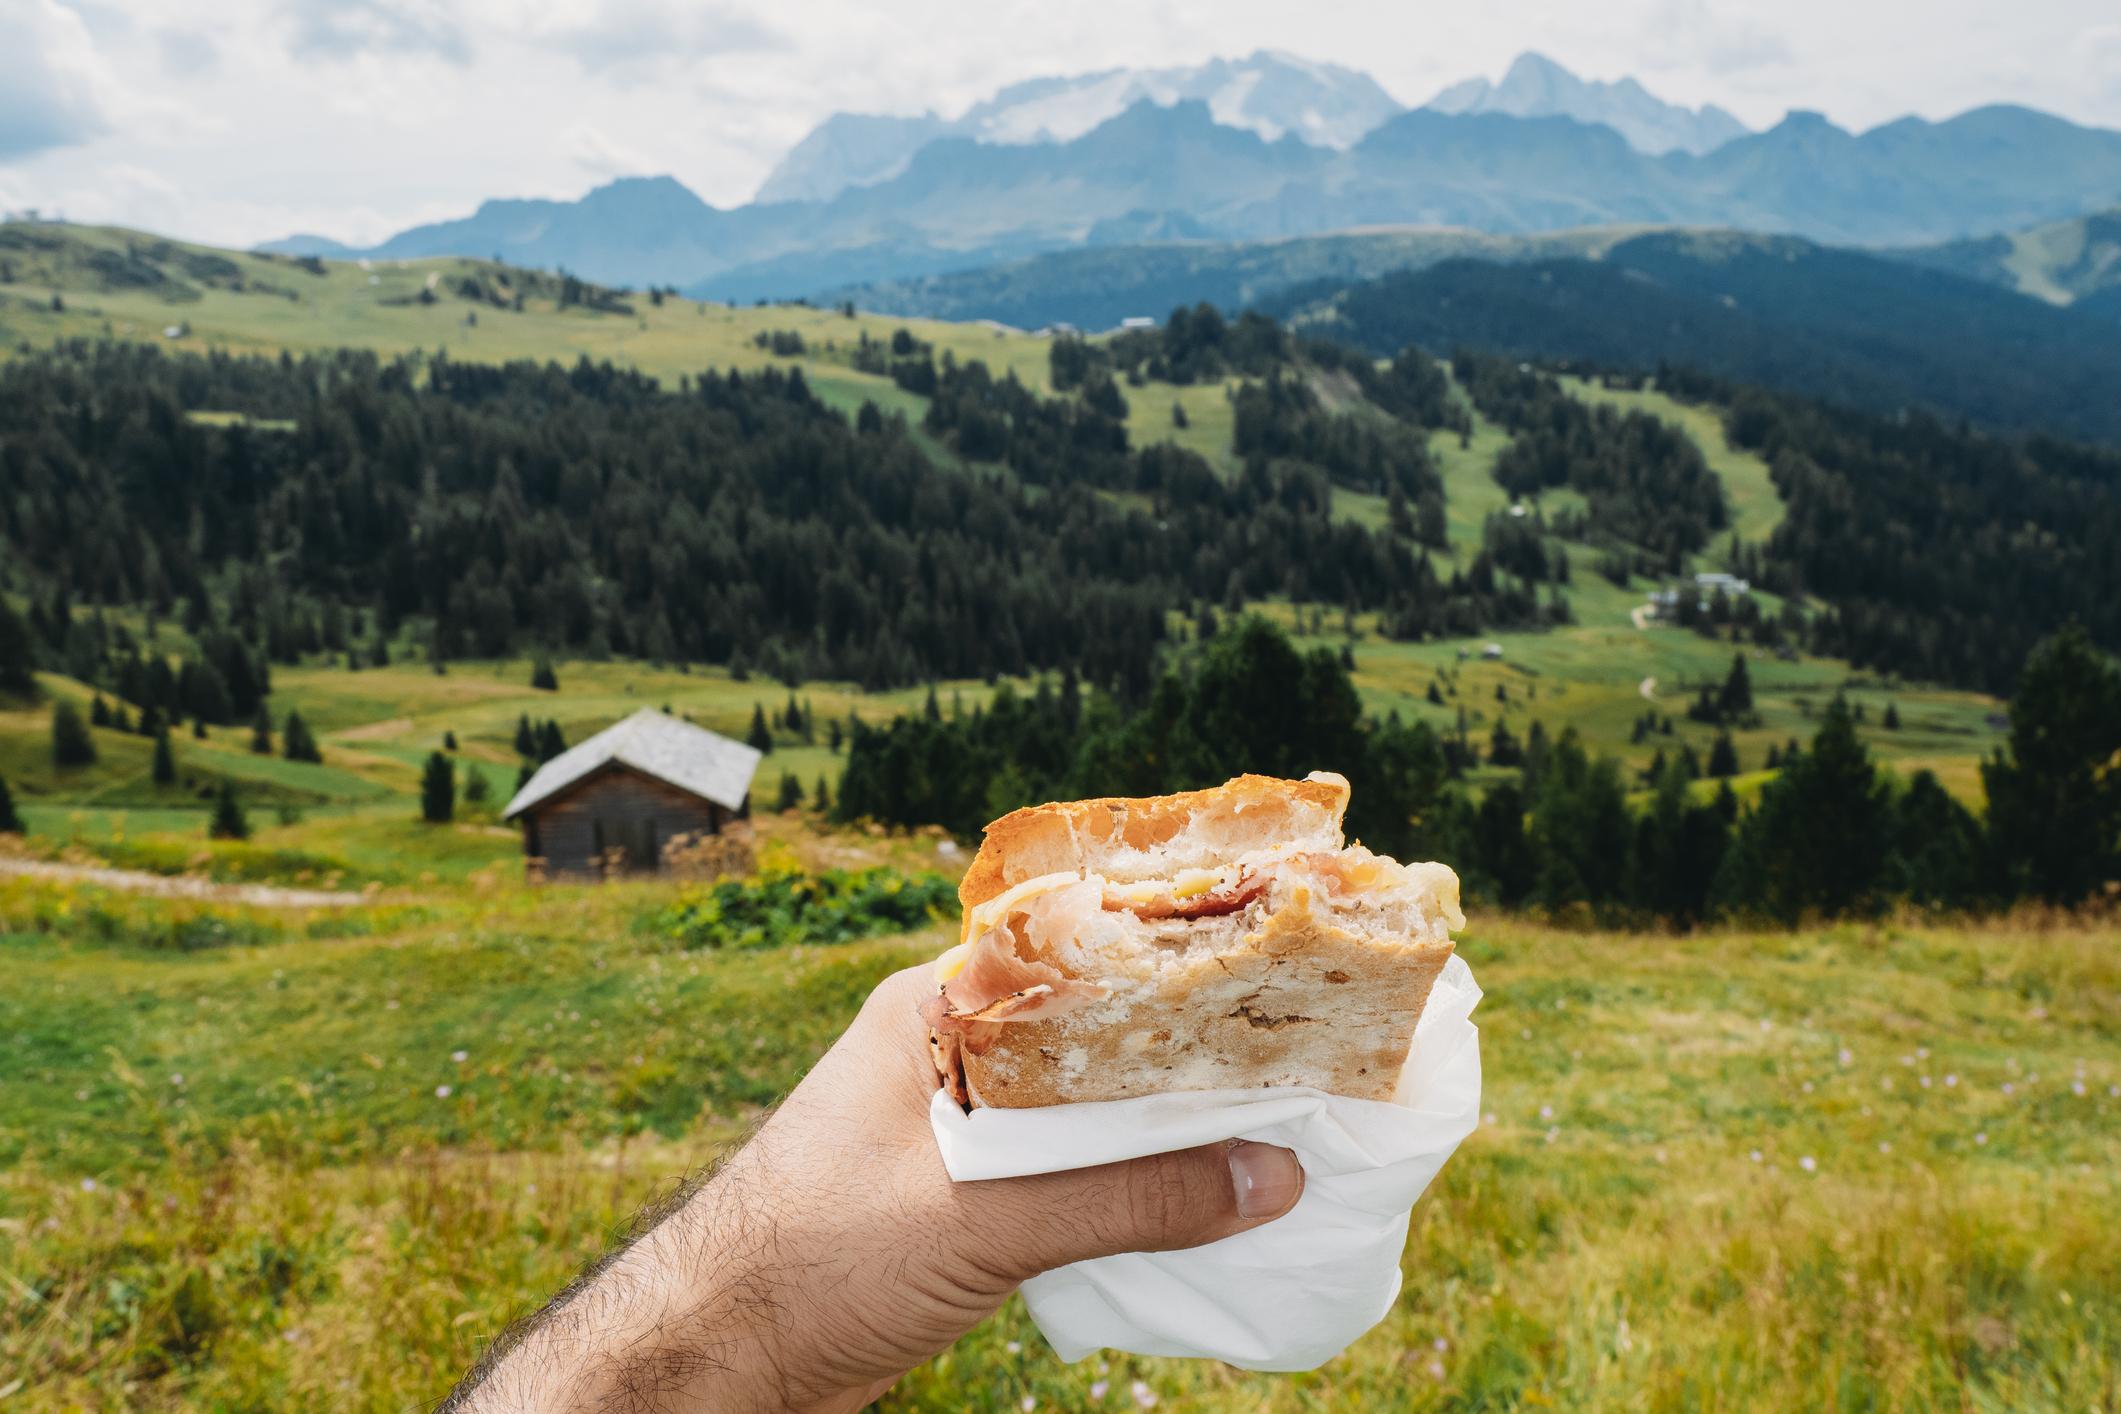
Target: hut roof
703	763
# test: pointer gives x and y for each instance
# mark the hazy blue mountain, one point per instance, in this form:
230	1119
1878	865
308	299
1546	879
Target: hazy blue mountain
850	150
1158	172
1537	87
1268	93
2061	261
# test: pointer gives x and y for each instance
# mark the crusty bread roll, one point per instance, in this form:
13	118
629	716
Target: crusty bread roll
1215	939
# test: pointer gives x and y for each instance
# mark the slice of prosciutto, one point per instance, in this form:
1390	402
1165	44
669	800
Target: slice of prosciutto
994	979
1231	897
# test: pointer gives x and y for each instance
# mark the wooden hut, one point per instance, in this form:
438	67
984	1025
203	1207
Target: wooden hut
621	796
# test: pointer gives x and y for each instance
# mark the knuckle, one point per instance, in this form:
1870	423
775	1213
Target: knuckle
1165	1196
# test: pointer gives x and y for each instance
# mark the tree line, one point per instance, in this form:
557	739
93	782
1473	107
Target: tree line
1831	833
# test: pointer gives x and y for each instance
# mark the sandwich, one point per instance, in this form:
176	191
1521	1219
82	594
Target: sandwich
1209	940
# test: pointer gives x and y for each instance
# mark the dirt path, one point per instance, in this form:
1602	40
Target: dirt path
1648	688
1639	614
180	885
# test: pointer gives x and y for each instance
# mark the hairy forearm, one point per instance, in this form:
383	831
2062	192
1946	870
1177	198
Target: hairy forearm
678	1319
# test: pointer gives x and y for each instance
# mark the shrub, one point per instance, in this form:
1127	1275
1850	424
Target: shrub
788	906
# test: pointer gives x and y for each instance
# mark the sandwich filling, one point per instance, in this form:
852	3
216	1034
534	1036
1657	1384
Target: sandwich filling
1063	942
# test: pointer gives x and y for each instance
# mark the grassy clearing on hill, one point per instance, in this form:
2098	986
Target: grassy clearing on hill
1857	1166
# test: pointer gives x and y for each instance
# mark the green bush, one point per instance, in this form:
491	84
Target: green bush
788	906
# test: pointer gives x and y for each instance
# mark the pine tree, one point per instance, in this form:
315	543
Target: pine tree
821	798
2054	796
71	743
1723	757
449	741
526	739
10	822
261	731
297	743
229	822
550	742
198	728
759	737
791	796
833	737
438	790
98	711
17	660
477	789
121	718
543	678
165	768
1892	717
1736	698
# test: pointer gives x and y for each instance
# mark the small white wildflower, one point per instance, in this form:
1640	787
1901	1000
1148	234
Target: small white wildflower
1144	1397
81	1095
2009	1088
460	1056
1807	1087
1436	1369
1925	1082
88	1185
1885	1146
1488	1118
1755	1156
2076	1087
1950	1081
176	1079
1441	1345
441	1092
1808	1164
1923	1051
2113	1089
1098	1388
1014	1347
1027	1404
391	1005
1981	1139
1766	1025
1847	1057
1546	1111
1907	1060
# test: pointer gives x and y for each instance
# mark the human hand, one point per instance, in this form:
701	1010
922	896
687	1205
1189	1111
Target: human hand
833	1253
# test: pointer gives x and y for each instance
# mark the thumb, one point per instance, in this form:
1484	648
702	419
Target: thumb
1153	1204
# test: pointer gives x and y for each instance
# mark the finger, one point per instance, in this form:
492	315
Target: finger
1022	1226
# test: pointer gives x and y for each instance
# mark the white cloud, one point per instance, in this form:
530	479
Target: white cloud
355	118
50	80
596	154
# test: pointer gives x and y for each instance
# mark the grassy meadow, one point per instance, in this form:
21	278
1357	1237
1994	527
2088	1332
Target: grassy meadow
308	1159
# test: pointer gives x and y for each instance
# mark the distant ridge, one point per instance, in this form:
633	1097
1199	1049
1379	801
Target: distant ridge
1177	172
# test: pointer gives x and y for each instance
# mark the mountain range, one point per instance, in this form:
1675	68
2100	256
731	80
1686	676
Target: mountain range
1178	172
1537	87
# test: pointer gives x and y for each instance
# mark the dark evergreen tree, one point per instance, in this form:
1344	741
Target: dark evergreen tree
543	678
2054	798
449	740
261	731
1937	850
477	789
297	742
550	741
71	743
1892	717
1735	701
821	798
438	790
1817	842
17	657
526	739
229	821
1723	757
98	711
164	772
10	822
791	793
759	738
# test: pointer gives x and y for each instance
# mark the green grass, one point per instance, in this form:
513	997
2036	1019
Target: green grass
305	1220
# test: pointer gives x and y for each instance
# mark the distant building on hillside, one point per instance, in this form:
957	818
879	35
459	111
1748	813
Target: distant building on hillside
1491	651
1137	321
620	798
1706	587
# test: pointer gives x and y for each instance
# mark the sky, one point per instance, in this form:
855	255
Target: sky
239	121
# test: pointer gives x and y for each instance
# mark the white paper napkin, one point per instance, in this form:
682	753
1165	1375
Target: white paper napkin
1287	1296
